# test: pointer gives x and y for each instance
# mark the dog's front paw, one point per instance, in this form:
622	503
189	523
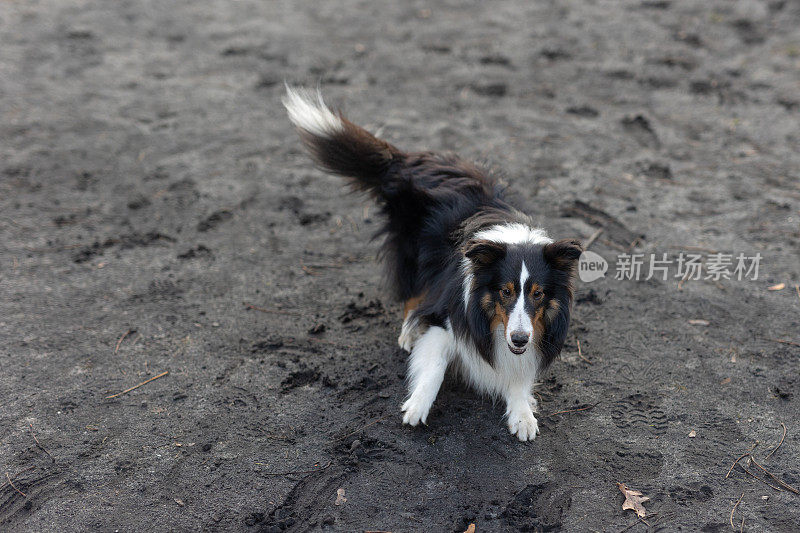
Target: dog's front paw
523	424
415	411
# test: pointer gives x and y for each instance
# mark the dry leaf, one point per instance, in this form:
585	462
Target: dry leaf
725	381
692	434
340	499
633	500
778	287
470	528
699	322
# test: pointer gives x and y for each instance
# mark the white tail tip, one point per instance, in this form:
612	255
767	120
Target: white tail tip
308	112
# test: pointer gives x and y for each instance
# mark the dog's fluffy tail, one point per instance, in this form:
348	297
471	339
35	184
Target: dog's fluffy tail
338	145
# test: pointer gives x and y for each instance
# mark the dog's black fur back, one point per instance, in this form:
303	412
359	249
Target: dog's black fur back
425	197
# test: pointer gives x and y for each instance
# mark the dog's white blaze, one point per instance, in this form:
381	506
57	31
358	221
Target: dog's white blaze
519	319
514	233
308	112
466	267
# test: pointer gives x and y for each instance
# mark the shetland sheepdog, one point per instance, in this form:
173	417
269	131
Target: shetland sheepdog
485	291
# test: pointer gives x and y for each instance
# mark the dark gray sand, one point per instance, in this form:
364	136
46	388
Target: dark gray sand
150	184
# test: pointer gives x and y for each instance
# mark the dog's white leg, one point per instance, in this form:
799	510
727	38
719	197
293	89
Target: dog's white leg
521	421
426	367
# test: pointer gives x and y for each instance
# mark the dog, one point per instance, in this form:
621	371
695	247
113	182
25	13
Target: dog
485	291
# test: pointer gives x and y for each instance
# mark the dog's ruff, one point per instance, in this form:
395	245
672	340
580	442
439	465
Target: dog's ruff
487	293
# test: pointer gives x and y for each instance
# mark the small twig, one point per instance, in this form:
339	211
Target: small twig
753	461
573	410
15	476
770	474
145	382
119	342
734	510
13	486
752	475
39	444
286	438
790	343
590	240
736	462
753	447
308	270
612	244
363	427
580	353
296	471
779	444
276	311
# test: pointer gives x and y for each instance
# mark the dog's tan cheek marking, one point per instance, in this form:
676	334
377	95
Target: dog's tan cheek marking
538	323
491	311
500	316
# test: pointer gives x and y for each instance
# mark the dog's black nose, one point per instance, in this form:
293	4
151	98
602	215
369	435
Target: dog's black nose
519	339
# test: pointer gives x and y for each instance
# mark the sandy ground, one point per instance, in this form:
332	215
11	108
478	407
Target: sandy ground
150	184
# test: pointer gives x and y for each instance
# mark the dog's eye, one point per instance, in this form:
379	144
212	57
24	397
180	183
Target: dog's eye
538	295
505	291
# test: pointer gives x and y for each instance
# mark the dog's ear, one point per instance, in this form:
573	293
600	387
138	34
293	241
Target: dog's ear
483	252
563	255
